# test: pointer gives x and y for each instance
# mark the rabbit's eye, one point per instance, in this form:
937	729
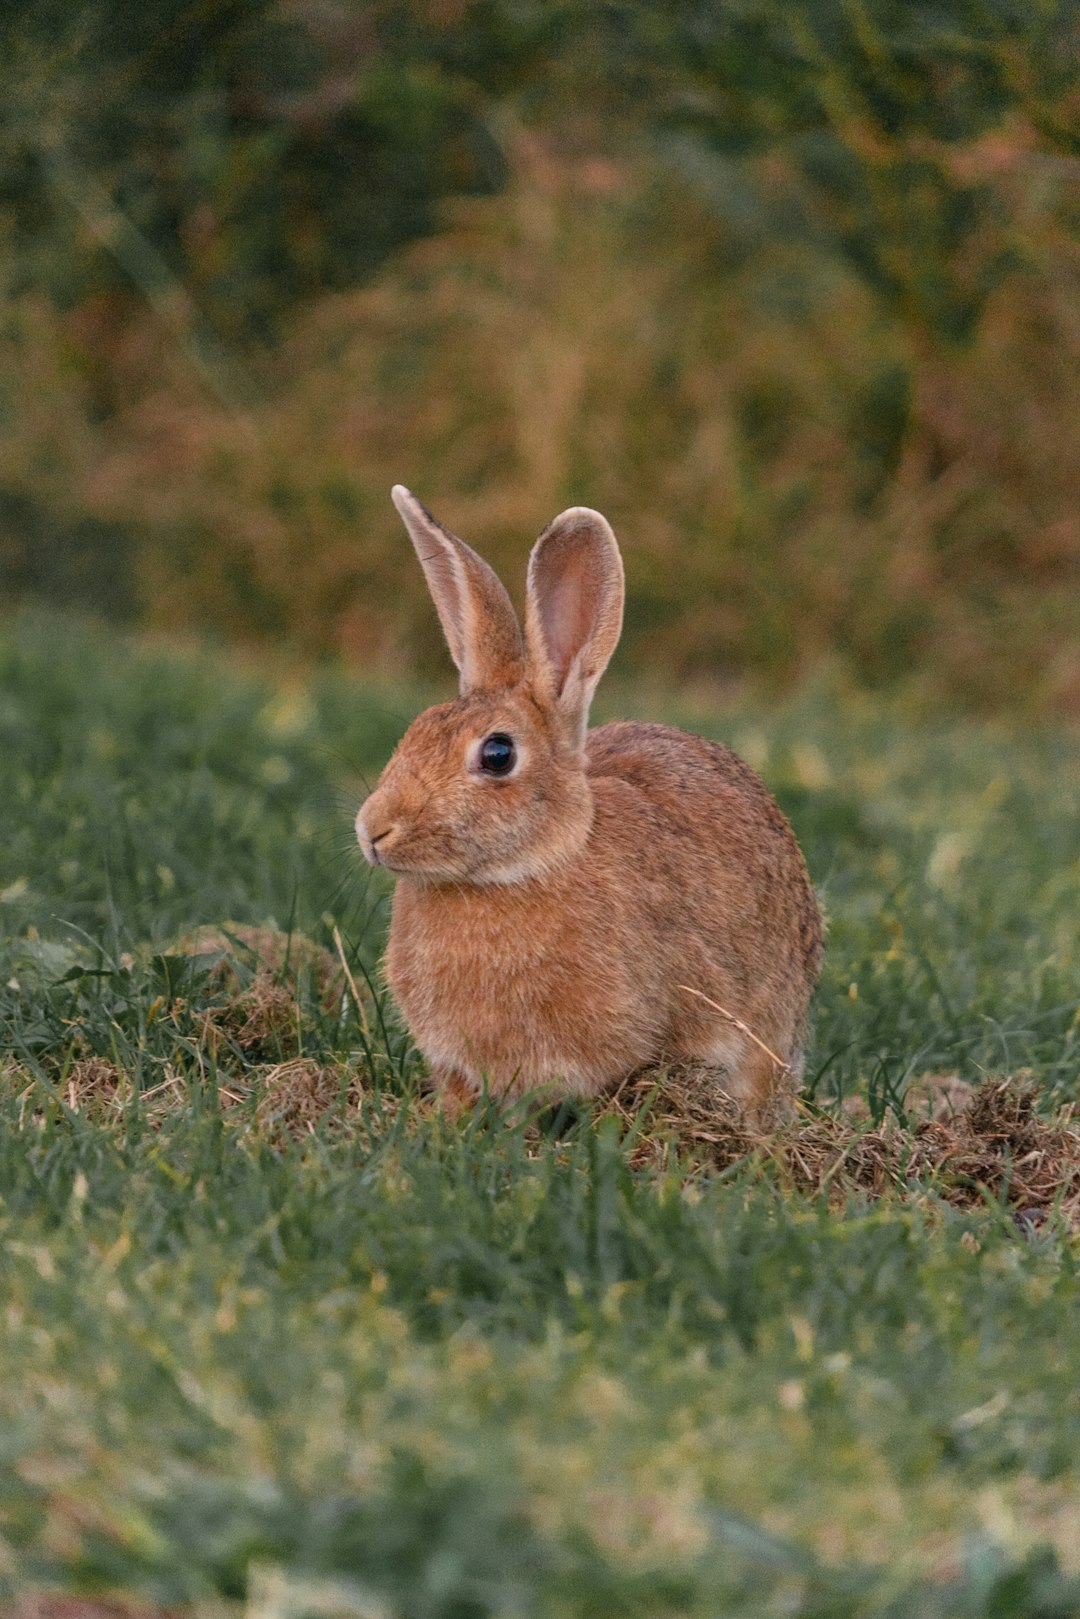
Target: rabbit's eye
497	754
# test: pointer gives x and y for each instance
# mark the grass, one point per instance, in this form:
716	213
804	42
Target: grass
274	1337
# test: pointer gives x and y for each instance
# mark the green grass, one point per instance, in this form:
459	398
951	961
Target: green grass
396	1367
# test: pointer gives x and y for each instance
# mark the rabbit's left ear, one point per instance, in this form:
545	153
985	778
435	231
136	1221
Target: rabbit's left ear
573	612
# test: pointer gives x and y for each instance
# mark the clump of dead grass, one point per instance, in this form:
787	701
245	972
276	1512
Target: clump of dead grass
92	1086
294	1096
988	1146
17	1082
95	1087
264	976
289	958
281	1101
262	1019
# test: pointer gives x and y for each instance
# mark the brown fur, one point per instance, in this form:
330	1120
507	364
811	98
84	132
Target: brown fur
546	927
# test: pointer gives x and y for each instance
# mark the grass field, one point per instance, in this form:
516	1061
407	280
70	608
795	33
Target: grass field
273	1334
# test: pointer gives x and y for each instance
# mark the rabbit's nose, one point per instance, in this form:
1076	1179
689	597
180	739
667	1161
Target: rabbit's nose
370	837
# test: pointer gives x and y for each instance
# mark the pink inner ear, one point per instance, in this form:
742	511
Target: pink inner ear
446	594
568	605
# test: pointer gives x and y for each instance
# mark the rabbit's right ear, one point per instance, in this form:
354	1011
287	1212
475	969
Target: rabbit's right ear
573	612
476	614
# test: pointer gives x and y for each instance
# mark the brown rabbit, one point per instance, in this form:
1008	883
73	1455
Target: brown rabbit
562	895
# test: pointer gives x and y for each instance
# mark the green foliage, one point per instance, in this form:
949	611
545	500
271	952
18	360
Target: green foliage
873	113
248	152
397	1366
267	153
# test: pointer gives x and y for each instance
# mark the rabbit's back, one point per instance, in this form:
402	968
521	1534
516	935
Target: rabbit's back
714	861
689	779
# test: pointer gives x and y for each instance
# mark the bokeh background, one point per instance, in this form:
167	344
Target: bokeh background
790	289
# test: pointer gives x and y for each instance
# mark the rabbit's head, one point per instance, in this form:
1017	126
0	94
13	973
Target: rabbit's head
491	787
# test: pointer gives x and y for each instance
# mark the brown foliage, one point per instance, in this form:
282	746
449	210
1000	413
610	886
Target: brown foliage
791	481
66	1605
294	1096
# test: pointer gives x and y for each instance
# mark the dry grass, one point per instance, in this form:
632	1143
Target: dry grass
95	1087
262	1019
993	1146
287	958
262	974
282	1100
968	1145
294	1097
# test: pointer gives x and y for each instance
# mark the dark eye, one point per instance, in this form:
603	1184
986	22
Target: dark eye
498	754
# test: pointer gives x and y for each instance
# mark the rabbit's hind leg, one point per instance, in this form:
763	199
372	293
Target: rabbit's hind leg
755	1078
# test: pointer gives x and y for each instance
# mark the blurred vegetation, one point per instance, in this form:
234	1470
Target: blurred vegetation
789	288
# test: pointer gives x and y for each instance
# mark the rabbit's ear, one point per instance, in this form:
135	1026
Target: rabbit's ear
573	612
476	614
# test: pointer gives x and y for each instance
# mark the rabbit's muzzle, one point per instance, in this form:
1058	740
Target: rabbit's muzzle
377	840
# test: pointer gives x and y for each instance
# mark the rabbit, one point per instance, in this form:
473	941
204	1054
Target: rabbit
573	906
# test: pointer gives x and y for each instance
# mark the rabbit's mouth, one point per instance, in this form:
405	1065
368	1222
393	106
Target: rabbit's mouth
376	840
395	864
386	846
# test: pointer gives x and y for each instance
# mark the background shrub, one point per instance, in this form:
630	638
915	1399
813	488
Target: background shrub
788	289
